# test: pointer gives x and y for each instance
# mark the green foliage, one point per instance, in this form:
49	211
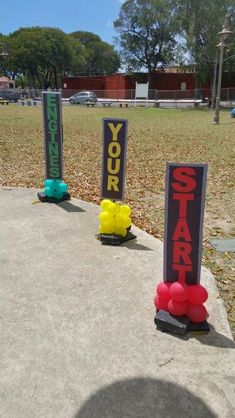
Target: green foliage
86	37
147	31
78	64
40	54
21	82
200	22
39	57
101	58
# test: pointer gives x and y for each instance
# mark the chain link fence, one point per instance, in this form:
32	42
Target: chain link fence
171	96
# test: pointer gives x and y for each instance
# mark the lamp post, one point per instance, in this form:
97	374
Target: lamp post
214	81
223	35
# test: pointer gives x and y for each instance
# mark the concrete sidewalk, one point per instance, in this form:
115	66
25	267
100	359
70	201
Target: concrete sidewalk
77	331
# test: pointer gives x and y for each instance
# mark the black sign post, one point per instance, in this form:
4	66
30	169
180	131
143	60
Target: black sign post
55	189
117	221
184	213
181	294
53	134
114	158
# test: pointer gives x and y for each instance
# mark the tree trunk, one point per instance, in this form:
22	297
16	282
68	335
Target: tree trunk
30	78
55	76
152	84
39	80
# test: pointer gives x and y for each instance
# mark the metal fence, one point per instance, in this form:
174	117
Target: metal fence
227	95
152	94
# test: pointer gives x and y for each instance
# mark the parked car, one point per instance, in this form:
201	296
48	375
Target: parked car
11	95
83	97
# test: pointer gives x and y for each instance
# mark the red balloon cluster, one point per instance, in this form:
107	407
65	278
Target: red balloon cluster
182	299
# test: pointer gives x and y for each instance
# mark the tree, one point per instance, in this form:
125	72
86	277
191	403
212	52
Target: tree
101	58
39	54
147	31
78	64
200	23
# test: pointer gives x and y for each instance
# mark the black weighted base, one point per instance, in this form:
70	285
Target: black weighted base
43	198
111	239
164	321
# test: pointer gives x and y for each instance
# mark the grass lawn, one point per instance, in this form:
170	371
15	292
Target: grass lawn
155	136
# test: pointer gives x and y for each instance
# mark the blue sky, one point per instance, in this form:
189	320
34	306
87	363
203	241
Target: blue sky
69	15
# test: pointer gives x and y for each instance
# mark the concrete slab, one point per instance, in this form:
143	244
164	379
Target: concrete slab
223	245
77	332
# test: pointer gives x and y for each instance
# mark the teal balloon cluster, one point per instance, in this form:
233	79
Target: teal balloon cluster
55	188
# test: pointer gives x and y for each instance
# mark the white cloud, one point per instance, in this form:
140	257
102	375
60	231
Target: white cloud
109	23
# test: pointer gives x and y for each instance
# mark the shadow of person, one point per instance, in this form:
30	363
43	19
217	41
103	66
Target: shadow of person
144	398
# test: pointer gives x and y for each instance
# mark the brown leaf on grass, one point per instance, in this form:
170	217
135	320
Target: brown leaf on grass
154	138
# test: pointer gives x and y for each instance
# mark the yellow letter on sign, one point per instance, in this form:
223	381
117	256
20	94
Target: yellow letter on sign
115	130
113	183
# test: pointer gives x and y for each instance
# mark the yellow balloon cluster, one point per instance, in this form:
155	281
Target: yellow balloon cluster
114	218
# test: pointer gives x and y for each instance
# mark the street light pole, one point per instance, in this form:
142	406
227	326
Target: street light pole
214	81
217	103
223	35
